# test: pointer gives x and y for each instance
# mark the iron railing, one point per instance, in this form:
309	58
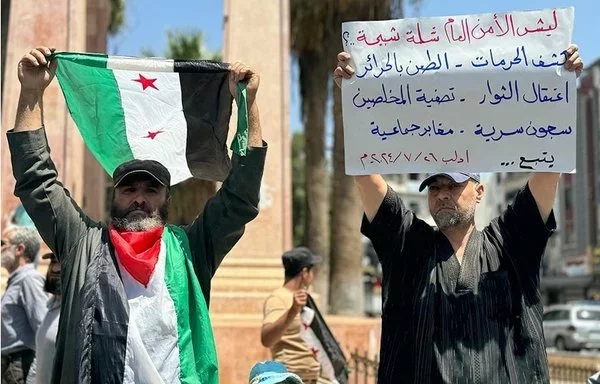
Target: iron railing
563	369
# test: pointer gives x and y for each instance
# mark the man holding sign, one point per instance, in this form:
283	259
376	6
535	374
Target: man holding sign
134	292
459	305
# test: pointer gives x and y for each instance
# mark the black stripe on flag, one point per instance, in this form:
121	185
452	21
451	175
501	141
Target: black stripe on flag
329	343
201	66
207	105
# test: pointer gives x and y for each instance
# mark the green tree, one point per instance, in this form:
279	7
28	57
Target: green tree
346	278
117	16
310	25
298	188
185	45
346	246
189	45
315	40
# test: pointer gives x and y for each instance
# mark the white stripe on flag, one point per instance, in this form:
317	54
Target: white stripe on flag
140	64
306	317
155	123
152	355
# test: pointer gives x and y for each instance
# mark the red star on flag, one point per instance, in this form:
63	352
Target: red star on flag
152	135
314	351
306	326
146	82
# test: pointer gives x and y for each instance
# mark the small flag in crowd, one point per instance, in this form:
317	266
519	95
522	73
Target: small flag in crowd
322	343
173	111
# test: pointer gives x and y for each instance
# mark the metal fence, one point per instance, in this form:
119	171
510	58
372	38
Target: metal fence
363	370
563	369
569	368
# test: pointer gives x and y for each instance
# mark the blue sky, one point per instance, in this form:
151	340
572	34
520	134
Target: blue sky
148	21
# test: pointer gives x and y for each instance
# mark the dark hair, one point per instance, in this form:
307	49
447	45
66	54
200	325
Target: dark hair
289	275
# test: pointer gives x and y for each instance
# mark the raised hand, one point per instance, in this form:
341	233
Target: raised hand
36	70
344	70
574	62
241	72
300	298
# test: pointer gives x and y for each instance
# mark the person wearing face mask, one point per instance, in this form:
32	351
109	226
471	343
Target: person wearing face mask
45	338
23	303
281	329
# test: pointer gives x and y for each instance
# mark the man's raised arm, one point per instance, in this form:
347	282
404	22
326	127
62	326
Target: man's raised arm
222	223
371	188
35	72
544	185
56	216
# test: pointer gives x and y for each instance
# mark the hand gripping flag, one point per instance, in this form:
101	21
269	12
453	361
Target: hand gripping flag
173	111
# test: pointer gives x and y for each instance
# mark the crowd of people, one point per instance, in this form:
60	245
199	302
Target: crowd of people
460	304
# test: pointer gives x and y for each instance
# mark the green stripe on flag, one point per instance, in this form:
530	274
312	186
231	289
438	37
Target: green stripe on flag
97	60
240	141
94	101
197	352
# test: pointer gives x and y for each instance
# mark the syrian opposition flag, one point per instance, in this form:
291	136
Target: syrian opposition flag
169	333
315	332
175	112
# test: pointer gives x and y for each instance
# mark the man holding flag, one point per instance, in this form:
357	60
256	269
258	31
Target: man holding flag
135	292
294	329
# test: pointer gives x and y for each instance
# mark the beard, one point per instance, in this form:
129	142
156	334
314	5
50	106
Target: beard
52	284
123	220
447	219
7	259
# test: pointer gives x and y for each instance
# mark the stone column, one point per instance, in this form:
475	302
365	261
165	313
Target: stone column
257	33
